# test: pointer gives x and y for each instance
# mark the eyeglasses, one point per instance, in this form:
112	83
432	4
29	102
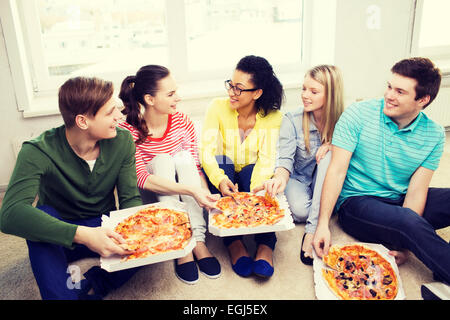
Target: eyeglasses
237	91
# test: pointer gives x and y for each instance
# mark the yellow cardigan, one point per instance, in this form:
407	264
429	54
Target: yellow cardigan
220	136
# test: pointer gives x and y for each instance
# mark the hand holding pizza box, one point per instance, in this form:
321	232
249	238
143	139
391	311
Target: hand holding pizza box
154	233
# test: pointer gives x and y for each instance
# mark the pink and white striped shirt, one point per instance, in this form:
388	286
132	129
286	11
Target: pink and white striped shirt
179	135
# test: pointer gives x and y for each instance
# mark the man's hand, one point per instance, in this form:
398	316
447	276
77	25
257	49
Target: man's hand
101	240
321	241
226	187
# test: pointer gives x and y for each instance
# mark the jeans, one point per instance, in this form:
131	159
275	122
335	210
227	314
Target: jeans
50	265
243	179
385	221
304	197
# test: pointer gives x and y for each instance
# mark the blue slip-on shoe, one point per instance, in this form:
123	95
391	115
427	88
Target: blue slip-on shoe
243	266
187	272
262	268
210	267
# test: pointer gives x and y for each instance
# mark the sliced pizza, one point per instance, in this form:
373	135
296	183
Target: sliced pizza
155	230
246	209
357	272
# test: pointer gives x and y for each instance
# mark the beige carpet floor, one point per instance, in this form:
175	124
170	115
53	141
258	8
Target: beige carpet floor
291	281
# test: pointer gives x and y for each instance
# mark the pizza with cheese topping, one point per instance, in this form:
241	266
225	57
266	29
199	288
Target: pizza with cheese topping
356	272
245	209
154	230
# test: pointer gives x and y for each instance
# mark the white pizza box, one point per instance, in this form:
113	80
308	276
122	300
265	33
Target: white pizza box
323	292
116	262
286	223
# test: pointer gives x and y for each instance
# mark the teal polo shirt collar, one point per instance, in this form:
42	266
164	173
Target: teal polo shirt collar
391	123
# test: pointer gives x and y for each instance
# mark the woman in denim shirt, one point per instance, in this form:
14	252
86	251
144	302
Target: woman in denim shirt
304	149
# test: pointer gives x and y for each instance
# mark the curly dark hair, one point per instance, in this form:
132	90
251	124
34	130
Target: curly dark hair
263	76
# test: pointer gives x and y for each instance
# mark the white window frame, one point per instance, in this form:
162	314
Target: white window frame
434	53
38	97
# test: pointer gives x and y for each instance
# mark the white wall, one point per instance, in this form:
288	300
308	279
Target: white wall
364	55
371	36
12	124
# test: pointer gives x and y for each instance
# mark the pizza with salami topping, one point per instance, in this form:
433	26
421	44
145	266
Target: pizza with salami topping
356	272
154	230
245	209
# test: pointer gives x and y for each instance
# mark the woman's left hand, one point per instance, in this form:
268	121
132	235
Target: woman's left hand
204	197
322	151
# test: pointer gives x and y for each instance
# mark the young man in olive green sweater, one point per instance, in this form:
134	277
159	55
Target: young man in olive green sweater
74	170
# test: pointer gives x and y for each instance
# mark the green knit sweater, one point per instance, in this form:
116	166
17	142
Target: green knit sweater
47	166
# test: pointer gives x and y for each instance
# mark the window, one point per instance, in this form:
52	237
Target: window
197	39
431	37
102	37
221	32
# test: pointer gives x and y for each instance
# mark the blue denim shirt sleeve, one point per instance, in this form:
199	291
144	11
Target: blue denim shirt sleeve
287	143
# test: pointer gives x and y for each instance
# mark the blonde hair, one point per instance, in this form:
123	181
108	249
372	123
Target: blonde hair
330	77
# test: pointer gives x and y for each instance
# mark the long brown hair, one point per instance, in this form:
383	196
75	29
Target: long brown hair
132	92
330	77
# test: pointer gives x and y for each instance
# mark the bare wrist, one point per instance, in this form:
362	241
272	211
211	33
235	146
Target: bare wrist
80	235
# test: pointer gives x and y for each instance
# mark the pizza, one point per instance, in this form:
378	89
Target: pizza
245	209
356	272
154	230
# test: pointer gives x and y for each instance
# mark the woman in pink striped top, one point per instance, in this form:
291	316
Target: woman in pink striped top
167	158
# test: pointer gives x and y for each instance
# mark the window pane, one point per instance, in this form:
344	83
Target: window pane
220	32
435	24
97	36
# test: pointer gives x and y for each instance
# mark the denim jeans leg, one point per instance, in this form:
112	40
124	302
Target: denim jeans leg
269	239
298	196
378	220
319	178
49	263
437	208
49	266
244	178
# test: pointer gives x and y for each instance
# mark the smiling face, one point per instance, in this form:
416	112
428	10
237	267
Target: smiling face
103	124
400	103
313	94
166	98
246	99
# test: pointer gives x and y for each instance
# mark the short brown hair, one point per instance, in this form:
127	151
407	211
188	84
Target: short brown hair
423	70
82	95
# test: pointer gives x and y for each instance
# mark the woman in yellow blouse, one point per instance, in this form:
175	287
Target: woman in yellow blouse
238	148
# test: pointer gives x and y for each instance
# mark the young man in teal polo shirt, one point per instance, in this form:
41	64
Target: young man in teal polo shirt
384	154
74	169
